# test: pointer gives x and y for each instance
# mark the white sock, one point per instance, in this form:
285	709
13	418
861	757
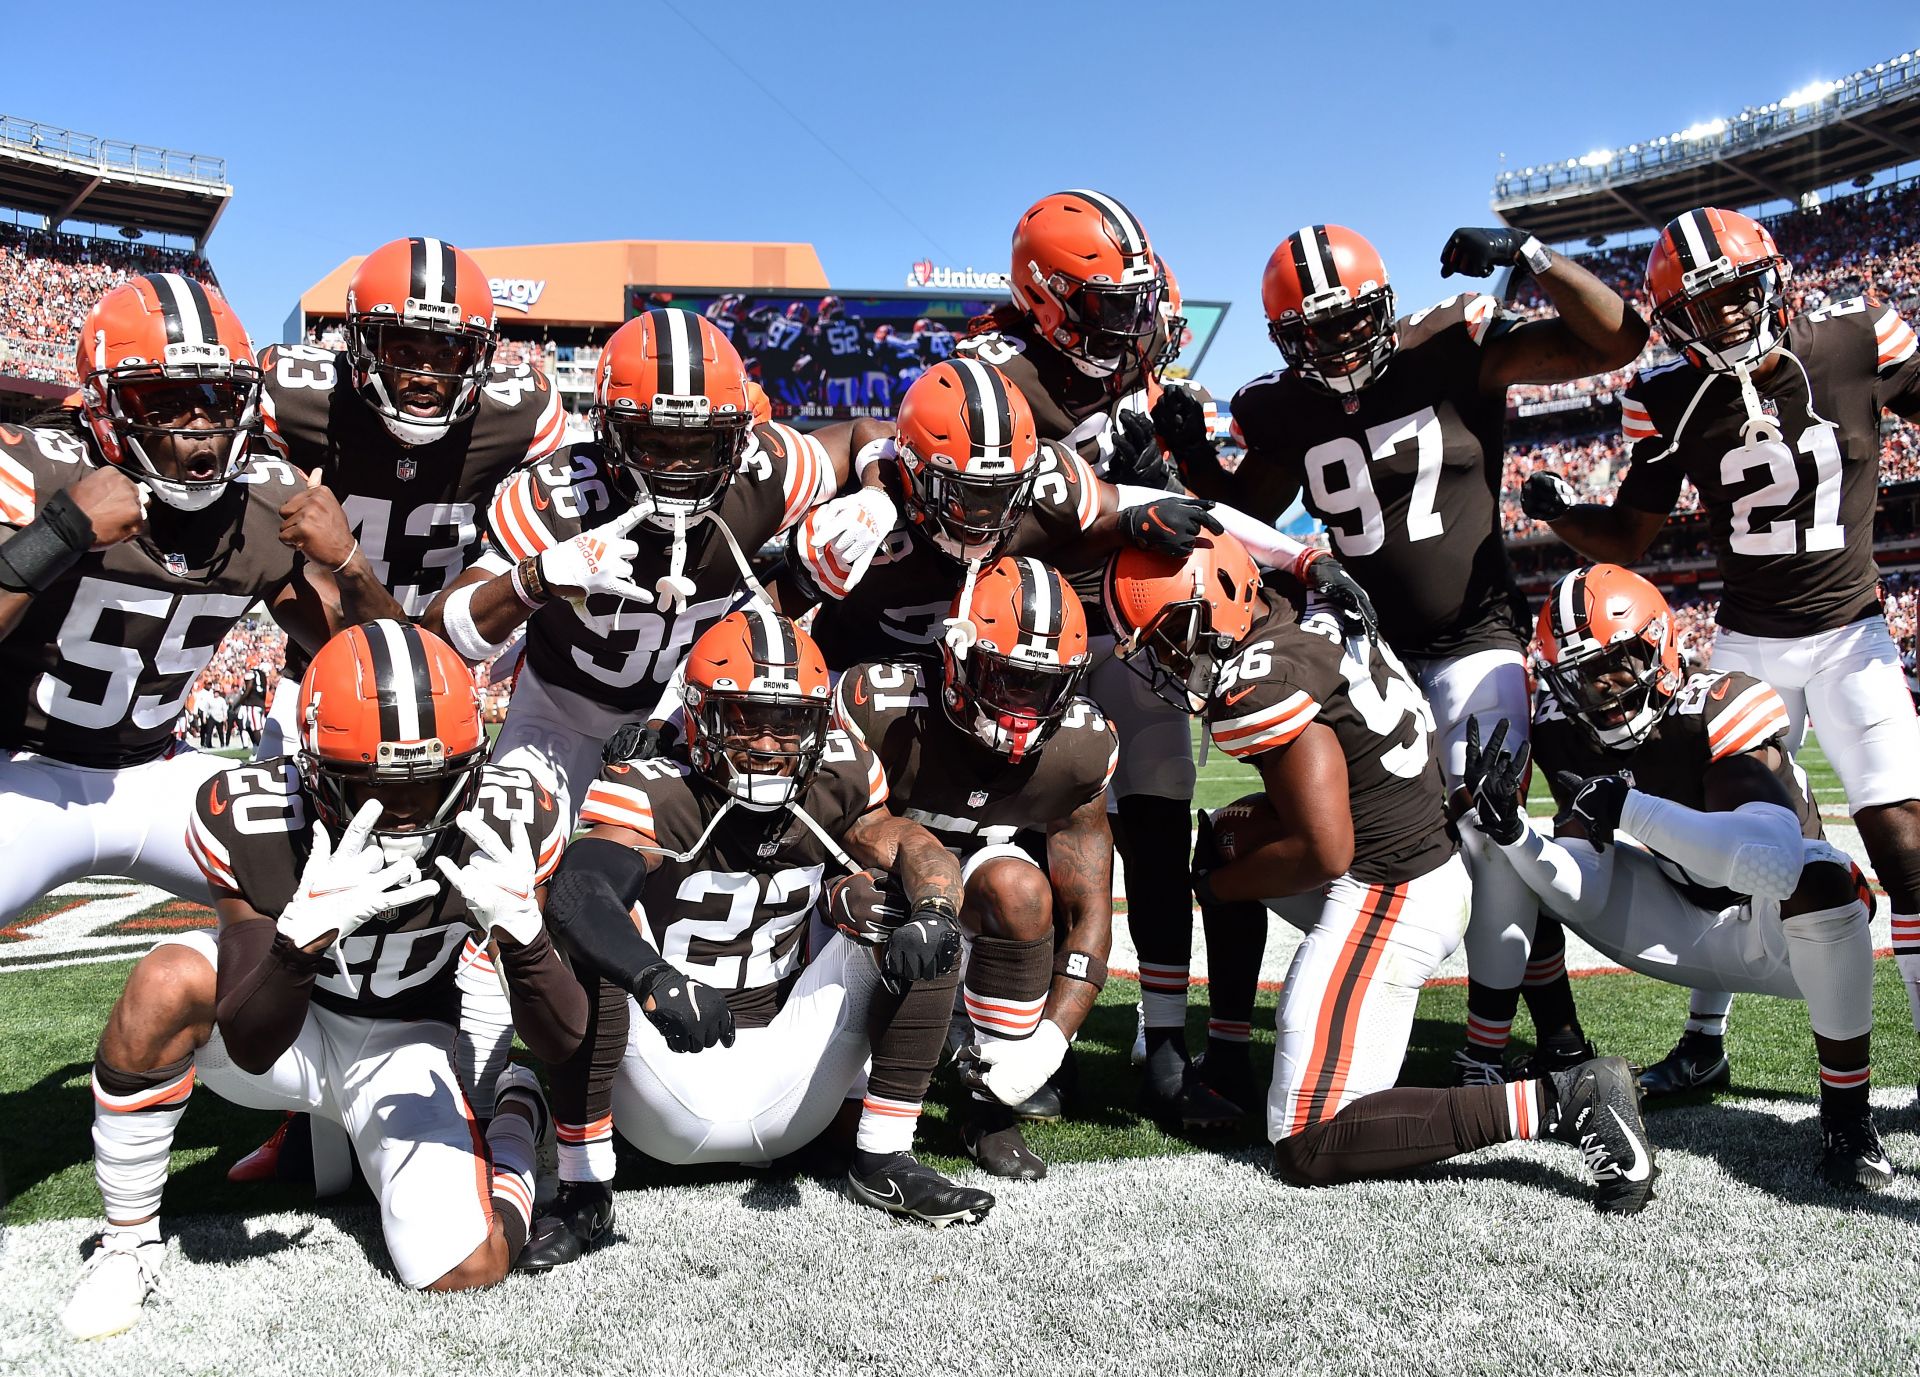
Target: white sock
886	1126
132	1140
1163	994
486	1028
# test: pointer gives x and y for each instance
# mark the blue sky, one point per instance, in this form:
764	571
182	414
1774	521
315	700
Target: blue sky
1225	127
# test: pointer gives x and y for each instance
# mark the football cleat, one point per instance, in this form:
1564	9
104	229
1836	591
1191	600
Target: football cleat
1597	1109
1231	1079
1139	1053
1551	1057
1852	1158
581	1220
263	1163
302	1150
1694	1066
903	1185
1186	1103
120	1274
1471	1067
993	1138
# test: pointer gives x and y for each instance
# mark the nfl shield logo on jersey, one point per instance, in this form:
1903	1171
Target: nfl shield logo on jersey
176	565
976	798
406	469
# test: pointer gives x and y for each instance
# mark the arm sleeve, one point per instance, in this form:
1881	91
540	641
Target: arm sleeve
589	908
262	990
1898	364
1650	487
1754	850
1569	878
549	1006
1267	545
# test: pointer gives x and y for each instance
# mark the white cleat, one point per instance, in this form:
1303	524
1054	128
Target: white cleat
1139	1034
120	1274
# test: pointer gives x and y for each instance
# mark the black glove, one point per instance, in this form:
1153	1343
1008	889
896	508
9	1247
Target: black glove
1495	778
1180	421
634	741
1596	803
1478	252
1169	526
866	906
691	1017
1136	456
1328	576
924	946
1206	857
1546	496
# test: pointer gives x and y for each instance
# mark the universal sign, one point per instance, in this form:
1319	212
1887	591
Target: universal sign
924	274
517	293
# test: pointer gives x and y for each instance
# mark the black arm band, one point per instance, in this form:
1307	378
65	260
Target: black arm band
46	547
1081	965
589	905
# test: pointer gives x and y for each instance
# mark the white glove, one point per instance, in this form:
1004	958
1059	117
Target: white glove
852	529
1012	1071
343	887
498	882
597	561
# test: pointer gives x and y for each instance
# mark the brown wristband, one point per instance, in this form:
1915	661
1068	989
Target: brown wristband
1081	965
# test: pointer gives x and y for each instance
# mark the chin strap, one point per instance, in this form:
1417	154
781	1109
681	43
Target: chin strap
833	847
1759	428
682	857
674	587
960	634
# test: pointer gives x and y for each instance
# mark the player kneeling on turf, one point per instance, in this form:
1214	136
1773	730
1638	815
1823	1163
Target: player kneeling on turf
1010	748
687	901
1731	886
346	881
1353	809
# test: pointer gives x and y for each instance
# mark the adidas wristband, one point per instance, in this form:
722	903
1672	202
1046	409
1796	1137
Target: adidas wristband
46	547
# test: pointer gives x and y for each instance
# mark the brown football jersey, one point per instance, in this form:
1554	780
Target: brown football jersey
1407	483
966	794
1072	407
1791	520
1715	716
99	668
252	833
417	510
1294	669
899	607
619	653
734	914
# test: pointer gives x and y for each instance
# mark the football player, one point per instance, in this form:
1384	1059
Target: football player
1353	816
413	445
1082	339
126	554
978	751
839	349
617	555
411	426
346	880
687	900
1731	885
1775	420
1390	429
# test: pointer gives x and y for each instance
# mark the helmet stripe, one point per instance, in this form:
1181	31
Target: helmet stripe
1131	234
1570	612
1039	602
422	668
985	392
682	371
1697	243
1313	259
382	653
188	319
432	275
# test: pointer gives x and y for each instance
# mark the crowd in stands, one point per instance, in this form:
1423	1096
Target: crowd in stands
48	283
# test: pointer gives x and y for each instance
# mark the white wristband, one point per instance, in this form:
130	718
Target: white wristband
462	634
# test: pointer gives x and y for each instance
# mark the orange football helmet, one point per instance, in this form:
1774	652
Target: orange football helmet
671	407
420	309
1607	648
1171	335
1028	656
388	711
758	703
969	454
1718	285
1186	614
157	354
1330	308
1085	274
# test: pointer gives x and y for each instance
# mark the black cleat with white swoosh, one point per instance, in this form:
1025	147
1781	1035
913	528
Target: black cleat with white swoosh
902	1185
1597	1109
